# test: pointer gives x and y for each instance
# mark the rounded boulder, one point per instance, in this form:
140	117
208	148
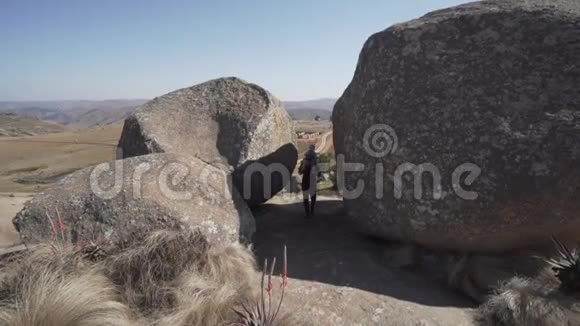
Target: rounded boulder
467	122
225	122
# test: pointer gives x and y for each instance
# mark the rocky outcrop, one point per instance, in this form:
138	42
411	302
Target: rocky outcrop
113	201
481	101
225	122
338	277
315	303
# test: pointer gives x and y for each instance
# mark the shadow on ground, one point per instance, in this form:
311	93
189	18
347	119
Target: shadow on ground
327	249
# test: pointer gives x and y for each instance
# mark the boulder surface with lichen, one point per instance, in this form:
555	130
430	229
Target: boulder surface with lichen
113	201
484	96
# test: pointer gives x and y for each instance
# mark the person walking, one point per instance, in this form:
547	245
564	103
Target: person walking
309	171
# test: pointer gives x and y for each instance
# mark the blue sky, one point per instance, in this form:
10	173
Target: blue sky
101	49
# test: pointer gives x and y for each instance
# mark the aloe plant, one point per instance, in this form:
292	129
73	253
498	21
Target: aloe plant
566	267
263	314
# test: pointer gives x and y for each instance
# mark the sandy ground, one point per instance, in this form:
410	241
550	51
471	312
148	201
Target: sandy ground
10	204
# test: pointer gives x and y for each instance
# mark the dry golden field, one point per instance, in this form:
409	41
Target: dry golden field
30	164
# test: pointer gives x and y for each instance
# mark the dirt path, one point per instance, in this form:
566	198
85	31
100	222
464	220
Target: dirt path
322	147
10	204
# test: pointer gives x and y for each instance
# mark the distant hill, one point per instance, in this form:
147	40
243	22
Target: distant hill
99	113
72	105
12	125
308	110
309	114
326	104
74	113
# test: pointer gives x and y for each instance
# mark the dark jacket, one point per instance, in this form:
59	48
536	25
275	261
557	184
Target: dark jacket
308	170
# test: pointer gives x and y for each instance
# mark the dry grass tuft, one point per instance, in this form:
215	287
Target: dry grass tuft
52	286
551	298
529	302
146	273
206	294
172	277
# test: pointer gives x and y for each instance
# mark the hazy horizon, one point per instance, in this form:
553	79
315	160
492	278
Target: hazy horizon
141	99
99	50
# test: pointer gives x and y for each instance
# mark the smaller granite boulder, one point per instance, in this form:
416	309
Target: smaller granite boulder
226	122
112	201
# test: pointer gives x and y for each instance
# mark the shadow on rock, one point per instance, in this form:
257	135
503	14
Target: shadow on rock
327	249
253	178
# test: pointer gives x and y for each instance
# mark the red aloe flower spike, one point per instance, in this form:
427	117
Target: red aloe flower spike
262	315
264	271
270	286
285	269
53	227
283	284
60	224
54	233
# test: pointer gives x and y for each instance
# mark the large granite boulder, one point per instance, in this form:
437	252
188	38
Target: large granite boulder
225	122
113	201
484	96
